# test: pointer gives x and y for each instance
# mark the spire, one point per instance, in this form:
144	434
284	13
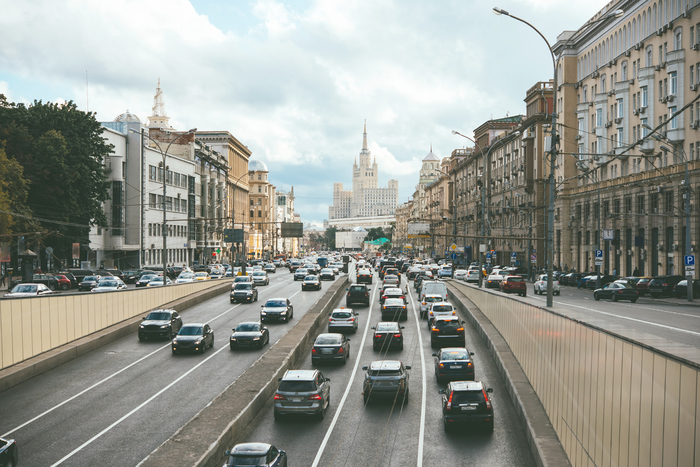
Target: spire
158	105
364	138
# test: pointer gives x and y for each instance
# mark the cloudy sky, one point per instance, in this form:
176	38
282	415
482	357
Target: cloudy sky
293	80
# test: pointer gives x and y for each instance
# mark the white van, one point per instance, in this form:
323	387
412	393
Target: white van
433	288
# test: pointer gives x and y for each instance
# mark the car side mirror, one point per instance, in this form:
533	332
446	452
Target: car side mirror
143	318
402	327
434	355
364	368
464	322
374	328
441	391
279	379
328	380
489	389
471	353
282	452
408	367
228	453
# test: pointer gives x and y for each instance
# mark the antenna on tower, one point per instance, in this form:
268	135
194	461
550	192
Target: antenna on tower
158	105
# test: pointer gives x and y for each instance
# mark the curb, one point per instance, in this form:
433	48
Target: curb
544	442
16	374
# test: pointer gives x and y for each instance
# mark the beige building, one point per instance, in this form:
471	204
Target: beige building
261	206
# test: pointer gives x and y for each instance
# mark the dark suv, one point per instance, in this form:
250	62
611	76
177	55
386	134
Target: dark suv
466	403
303	392
357	293
663	285
387	378
160	324
447	331
454	364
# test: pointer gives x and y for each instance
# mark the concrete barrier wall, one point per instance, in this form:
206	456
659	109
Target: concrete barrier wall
31	326
611	401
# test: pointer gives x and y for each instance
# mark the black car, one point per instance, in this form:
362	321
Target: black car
195	337
144	279
618	290
394	309
300	274
160	324
134	277
245	292
454	364
663	285
249	334
447	331
9	454
386	378
277	309
311	283
386	335
680	290
174	272
466	403
331	347
357	293
257	454
327	274
604	279
88	283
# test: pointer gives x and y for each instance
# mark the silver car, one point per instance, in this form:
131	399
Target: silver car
428	300
343	319
260	278
303	392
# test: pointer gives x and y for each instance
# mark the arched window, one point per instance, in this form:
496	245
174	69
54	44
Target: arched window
678	38
625	45
644	24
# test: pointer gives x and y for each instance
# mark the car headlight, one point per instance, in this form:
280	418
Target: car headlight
233	339
174	341
263	313
165	326
198	341
142	326
256	338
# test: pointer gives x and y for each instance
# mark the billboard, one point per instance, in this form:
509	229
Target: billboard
418	230
292	229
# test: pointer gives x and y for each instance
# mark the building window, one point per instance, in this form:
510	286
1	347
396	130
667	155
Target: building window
150	230
674	82
678	43
152	200
674	119
640	204
619	108
669	201
645	97
151	172
619	137
599	118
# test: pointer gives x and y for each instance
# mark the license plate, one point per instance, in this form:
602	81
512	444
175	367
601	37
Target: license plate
295	399
468	407
383	383
456	367
327	351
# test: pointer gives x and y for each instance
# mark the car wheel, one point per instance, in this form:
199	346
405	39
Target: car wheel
405	397
634	300
345	359
596	297
231	347
52	287
140	338
64	287
558	293
232	302
375	347
446	426
614	298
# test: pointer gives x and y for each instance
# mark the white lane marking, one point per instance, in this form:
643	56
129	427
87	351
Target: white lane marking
43	414
425	386
136	409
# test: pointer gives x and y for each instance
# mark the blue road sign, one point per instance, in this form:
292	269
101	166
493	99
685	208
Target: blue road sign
454	255
488	255
513	254
689	260
599	254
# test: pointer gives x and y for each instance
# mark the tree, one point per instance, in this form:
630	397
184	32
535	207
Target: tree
61	151
13	196
329	237
374	233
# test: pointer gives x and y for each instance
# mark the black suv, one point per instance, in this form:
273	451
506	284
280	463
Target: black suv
244	292
386	378
448	331
466	403
160	324
357	293
387	334
663	285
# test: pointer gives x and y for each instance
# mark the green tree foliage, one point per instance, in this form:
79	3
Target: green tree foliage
13	195
329	238
376	233
61	151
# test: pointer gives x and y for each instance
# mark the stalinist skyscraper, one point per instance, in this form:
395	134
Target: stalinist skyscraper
366	199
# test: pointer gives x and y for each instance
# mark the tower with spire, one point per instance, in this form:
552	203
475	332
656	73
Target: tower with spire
159	119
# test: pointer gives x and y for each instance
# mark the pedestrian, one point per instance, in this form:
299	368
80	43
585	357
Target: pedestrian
580	279
2	280
635	273
615	272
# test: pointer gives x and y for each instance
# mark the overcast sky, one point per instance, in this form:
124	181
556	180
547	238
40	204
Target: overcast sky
292	80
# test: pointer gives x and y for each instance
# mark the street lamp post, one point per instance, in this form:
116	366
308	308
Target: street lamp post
164	253
233	220
553	147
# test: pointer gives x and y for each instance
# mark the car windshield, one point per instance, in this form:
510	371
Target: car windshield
454	355
158	316
247	327
107	284
147	277
190	331
327	340
275	303
248	460
90	278
310	278
341	315
466	397
387	327
259	273
297	386
201	274
24	289
243	286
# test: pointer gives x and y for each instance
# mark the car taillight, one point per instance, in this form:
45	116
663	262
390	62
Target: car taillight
449	402
404	307
331	319
486	398
397	335
377	336
470	364
315	397
280	397
442	365
434	329
460	329
366	294
349	294
340	350
313	350
351	319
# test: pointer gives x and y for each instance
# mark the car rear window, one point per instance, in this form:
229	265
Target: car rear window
297	386
384	372
448	325
515	279
465	397
327	340
341	314
442	307
388	327
356	288
454	355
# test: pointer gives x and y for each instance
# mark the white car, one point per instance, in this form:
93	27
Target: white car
472	275
493	281
461	274
185	277
541	285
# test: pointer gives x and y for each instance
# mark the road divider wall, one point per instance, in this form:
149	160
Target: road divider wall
611	400
218	427
32	326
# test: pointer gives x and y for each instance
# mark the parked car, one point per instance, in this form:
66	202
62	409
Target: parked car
357	293
331	347
48	280
89	282
592	280
160	324
643	285
447	332
244	292
454	364
541	285
9	453
386	378
110	284
343	319
71	277
276	309
386	335
466	403
249	334
680	290
663	285
570	279
257	454
63	282
514	284
28	290
195	337
618	290
302	392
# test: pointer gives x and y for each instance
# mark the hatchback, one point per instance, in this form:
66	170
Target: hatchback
514	284
427	302
540	286
343	319
302	392
257	454
357	293
454	364
386	335
391	279
643	285
681	289
466	403
391	292
331	347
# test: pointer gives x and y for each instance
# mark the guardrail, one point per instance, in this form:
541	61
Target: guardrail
611	401
31	326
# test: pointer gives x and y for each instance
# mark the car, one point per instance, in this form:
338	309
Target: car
387	334
276	309
245	292
454	364
256	454
643	285
392	272
71	278
448	331
243	278
391	292
109	284
570	279
680	290
460	274
300	274
89	282
394	309
302	392
434	288
514	284
311	283
249	334
618	290
663	285
466	403
440	310
142	281
357	293
64	283
260	278
391	279
493	280
270	268
9	454
445	271
173	272
164	323
540	286
427	301
343	319
386	378
412	271
201	276
364	276
330	347
158	282
185	277
133	276
195	337
472	275
28	290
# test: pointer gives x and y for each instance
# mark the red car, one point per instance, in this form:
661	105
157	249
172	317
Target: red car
514	284
63	282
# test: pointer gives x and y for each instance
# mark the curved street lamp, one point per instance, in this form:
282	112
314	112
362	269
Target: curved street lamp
233	221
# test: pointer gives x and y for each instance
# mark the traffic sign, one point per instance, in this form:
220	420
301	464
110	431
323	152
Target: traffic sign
454	255
599	257
513	256
689	260
533	258
488	255
453	247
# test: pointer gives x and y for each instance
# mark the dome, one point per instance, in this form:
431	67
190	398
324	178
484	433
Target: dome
127	117
257	166
359	229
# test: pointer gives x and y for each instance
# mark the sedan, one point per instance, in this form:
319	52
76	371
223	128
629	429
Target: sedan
343	319
194	337
243	292
270	268
388	378
160	324
311	283
276	309
158	282
394	309
258	454
461	274
604	279
331	347
28	290
260	278
327	274
618	290
387	334
454	364
9	455
493	281
109	284
91	281
201	276
249	334
680	290
300	274
185	277
391	292
144	280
